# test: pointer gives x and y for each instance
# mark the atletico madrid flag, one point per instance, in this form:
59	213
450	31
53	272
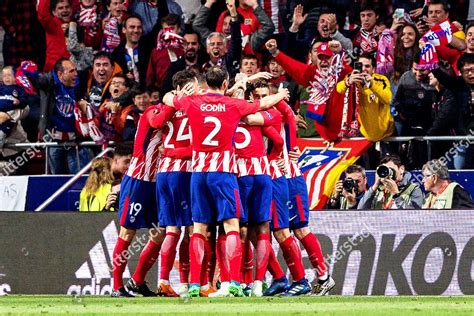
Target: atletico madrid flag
322	168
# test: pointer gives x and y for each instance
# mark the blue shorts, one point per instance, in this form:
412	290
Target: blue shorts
137	206
214	197
279	206
173	193
299	205
256	196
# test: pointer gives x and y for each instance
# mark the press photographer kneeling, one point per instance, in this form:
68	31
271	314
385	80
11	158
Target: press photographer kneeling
349	191
392	188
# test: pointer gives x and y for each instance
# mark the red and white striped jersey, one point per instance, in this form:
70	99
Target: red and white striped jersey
176	136
144	163
283	120
250	150
168	164
213	119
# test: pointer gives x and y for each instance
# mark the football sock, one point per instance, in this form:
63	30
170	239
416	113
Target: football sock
184	261
233	248
168	254
119	262
315	255
196	256
211	267
221	258
274	266
263	252
204	276
248	263
294	260
147	259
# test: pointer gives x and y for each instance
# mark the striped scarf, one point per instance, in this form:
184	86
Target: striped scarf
88	20
111	37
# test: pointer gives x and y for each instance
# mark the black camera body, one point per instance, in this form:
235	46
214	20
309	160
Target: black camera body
385	172
349	184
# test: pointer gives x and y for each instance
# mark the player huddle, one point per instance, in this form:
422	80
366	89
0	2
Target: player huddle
207	158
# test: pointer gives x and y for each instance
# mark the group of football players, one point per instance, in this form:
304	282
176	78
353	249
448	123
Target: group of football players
209	160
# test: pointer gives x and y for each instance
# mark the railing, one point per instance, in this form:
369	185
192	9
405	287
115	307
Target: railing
71	181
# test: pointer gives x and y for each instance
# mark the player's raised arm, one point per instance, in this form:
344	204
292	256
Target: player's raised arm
272	100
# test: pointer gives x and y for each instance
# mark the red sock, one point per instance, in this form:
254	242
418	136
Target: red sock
274	266
119	263
263	252
315	255
196	256
211	270
233	248
168	254
184	261
221	259
293	258
147	259
204	277
248	263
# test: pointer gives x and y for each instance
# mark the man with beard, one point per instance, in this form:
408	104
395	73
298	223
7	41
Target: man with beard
54	22
325	105
131	54
192	59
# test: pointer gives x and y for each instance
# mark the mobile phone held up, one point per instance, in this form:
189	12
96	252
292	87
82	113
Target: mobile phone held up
399	13
358	66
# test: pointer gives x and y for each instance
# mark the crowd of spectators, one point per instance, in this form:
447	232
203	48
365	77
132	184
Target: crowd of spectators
78	70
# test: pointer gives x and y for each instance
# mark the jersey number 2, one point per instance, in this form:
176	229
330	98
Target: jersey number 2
217	127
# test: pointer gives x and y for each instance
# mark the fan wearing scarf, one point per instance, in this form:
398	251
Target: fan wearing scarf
373	96
325	105
112	25
88	19
169	48
58	104
365	39
445	36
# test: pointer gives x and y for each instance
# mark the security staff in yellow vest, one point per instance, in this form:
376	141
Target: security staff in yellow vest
393	190
348	192
442	192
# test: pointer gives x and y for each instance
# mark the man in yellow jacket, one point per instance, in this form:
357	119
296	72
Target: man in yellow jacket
373	90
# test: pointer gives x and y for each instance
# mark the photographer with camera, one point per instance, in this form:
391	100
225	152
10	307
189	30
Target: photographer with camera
392	188
349	191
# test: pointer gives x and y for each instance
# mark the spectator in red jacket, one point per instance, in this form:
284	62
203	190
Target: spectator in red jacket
54	23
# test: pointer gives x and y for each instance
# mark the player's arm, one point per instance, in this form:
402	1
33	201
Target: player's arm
157	119
290	119
179	153
277	141
255	119
273	99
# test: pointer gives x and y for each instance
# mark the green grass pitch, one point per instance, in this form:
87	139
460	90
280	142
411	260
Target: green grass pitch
308	305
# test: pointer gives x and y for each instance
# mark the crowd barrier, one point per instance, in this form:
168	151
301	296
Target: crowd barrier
412	252
26	193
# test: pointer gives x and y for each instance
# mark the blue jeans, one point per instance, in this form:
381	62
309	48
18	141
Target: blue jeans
63	159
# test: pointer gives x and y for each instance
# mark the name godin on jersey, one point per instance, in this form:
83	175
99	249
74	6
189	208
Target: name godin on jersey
207	107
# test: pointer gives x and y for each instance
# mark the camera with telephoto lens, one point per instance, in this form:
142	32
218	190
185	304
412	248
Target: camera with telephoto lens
349	184
385	172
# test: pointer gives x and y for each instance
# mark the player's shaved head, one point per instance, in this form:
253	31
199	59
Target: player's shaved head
183	77
215	77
